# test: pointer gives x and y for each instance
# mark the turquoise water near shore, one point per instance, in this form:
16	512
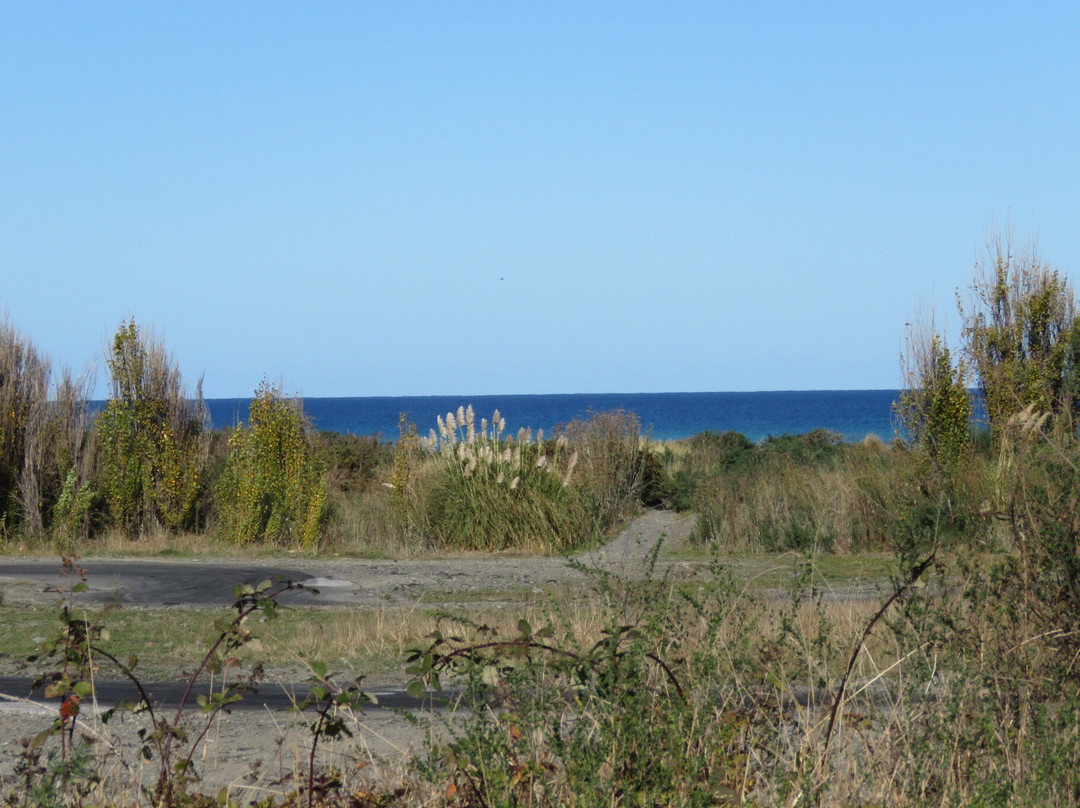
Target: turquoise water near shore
664	416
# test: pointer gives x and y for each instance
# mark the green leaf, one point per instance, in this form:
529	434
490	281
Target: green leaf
83	689
415	689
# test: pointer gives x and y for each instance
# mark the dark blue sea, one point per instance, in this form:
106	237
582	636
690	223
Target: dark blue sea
664	416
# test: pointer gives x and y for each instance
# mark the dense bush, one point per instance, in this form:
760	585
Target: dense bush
719	451
272	489
481	489
472	486
1023	335
152	438
352	461
612	463
935	408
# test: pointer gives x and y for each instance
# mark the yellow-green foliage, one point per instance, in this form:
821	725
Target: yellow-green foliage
152	438
936	408
1023	336
272	489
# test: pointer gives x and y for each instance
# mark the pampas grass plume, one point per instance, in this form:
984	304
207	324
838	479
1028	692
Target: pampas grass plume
570	469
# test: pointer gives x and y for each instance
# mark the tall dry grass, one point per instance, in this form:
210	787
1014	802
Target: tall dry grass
805	494
57	482
24	388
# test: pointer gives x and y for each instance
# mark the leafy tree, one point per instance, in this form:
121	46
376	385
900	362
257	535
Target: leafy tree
1023	335
935	408
153	440
272	489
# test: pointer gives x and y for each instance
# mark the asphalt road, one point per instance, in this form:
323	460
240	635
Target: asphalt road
155	583
268	696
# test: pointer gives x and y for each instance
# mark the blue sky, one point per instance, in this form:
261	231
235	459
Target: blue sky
472	198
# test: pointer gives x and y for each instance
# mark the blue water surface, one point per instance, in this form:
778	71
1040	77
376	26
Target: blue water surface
664	416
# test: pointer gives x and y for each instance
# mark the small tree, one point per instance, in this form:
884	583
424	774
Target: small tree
153	439
272	489
935	406
1022	335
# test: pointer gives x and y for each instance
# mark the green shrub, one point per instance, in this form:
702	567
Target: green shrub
818	446
485	490
152	438
273	488
352	461
658	488
1023	335
720	451
935	408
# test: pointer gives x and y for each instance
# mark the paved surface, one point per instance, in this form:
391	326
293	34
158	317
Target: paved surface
344	582
268	696
145	583
329	582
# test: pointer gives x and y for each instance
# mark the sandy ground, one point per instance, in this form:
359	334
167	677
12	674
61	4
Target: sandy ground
255	752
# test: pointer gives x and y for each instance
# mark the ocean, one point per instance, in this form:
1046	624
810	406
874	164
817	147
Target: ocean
664	416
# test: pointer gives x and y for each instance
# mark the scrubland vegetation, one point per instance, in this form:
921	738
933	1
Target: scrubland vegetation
958	683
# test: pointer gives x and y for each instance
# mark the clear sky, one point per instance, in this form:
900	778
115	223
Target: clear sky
467	198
